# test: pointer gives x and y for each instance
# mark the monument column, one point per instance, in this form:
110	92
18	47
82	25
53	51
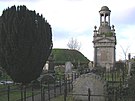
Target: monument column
104	41
100	19
104	18
109	20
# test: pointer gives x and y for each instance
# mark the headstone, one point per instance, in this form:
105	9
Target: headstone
68	67
90	66
47	78
51	64
129	68
108	67
46	66
86	81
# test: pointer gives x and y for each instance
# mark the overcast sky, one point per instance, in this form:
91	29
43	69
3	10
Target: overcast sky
77	18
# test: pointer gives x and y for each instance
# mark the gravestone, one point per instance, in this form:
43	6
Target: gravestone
108	67
90	66
129	68
86	81
47	78
68	67
51	63
68	70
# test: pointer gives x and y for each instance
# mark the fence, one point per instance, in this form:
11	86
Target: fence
116	89
42	91
107	97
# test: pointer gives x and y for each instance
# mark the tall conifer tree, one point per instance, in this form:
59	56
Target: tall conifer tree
25	43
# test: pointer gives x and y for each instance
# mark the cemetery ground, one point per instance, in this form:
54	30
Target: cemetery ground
61	98
13	92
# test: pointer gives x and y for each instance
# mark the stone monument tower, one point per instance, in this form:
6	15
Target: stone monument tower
104	41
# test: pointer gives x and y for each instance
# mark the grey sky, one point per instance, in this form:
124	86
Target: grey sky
77	18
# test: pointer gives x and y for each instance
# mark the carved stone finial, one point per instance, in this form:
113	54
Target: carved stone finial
112	26
95	27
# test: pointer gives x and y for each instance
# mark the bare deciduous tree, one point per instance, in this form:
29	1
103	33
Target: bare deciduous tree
74	44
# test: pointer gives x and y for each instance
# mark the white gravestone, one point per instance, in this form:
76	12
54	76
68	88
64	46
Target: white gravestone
68	67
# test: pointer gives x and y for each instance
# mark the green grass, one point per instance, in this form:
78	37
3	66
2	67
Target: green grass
2	86
15	93
13	96
64	55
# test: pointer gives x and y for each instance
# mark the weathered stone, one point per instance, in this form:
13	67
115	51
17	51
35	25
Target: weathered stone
86	81
68	67
104	41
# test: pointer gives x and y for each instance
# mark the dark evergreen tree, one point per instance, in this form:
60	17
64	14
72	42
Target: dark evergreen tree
25	43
